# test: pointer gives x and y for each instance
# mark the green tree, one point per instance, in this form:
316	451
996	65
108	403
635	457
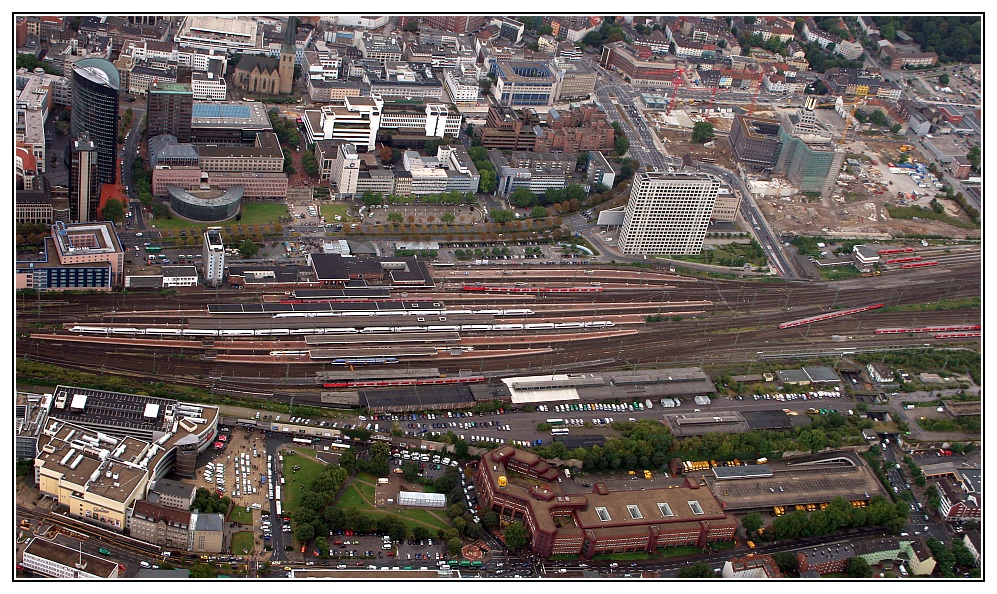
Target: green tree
702	132
453	546
410	471
461	449
522	197
501	216
538	212
348	460
412	26
943	80
114	210
621	145
309	163
751	522
203	570
515	536
447	218
489	519
395	218
488	181
787	563
962	554
371	198
161	211
696	570
544	29
420	533
858	567
248	249
974	157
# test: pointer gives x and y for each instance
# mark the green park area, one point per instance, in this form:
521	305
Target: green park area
242	543
330	211
253	213
240	515
359	495
298	481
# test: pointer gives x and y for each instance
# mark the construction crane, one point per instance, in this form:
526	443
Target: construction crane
677	83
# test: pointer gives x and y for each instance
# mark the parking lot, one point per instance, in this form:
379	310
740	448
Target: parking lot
463	214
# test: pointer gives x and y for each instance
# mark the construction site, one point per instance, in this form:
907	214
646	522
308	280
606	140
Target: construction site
880	172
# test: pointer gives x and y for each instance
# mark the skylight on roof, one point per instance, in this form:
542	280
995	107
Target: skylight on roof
603	514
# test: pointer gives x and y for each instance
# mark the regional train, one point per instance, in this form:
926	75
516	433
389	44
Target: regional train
197	332
403	312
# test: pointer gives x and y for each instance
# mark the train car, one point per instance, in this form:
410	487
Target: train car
904	260
503	327
387	383
515	312
375	329
542	326
569	325
407	329
443	328
959	335
126	330
475	327
457	312
163	331
907	250
198	332
920	264
236	332
832	315
88	330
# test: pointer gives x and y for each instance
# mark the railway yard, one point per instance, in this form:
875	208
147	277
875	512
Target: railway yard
479	322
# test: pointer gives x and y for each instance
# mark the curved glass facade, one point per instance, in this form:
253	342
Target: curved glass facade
194	208
95	111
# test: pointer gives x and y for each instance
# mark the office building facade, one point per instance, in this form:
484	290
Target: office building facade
668	213
95	111
170	110
214	257
84	187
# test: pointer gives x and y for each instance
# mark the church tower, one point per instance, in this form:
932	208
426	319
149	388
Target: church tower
287	54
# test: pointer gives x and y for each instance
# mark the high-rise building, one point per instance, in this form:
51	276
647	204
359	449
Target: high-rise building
214	257
95	111
668	213
84	193
456	24
170	109
755	141
809	158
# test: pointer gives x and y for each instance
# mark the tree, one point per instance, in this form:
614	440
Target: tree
309	163
489	519
395	218
702	132
974	157
348	460
515	536
411	26
545	29
522	197
114	210
583	161
696	570
943	80
453	546
248	249
420	533
751	522
501	216
592	38
787	563
161	211
371	198
858	567
621	145
447	218
203	570
888	31
538	212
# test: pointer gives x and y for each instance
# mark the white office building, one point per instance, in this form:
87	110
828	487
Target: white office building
668	213
356	121
345	170
214	257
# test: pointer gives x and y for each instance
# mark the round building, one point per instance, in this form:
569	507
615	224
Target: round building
209	205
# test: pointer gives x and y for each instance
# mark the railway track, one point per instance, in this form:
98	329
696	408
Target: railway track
740	323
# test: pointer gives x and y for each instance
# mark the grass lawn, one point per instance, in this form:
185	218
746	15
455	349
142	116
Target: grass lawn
329	211
351	499
423	516
240	515
242	540
624	557
253	213
298	482
839	273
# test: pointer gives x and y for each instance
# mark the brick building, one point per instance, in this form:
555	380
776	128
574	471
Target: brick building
598	521
585	128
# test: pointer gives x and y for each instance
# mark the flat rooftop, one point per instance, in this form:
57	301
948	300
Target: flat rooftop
69	557
230	114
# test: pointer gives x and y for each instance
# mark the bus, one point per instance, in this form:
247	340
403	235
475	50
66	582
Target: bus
476	564
465	563
104	551
153	249
555	421
340	446
560	431
304	440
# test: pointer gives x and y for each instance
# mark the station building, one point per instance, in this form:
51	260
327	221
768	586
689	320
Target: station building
520	486
100	451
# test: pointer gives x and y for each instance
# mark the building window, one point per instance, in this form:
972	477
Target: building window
603	514
696	508
635	512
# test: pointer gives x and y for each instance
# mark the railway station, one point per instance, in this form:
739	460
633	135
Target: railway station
687	424
618	385
416	398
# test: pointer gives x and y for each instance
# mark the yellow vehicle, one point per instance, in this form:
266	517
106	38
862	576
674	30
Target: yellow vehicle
751	544
631	472
647	474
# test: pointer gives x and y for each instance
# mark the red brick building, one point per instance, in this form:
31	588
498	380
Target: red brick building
957	504
561	519
825	558
508	129
586	128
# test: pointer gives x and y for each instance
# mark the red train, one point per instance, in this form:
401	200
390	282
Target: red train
959	335
388	383
955	328
906	250
828	316
920	264
904	260
492	289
